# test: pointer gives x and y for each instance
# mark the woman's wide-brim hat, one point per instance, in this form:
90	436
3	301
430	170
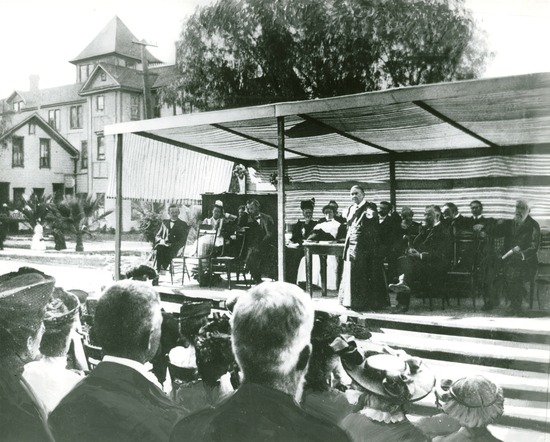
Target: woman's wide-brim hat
307	204
61	311
194	309
392	374
473	401
23	297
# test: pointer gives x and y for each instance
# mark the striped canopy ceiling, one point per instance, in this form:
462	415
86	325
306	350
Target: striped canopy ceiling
484	114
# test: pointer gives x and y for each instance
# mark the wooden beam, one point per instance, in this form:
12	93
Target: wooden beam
453	123
193	148
393	182
344	134
257	140
281	199
340	185
118	206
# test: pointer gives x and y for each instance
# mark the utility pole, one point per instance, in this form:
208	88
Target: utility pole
147	101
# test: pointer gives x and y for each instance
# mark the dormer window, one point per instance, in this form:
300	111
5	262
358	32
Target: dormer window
100	103
17	106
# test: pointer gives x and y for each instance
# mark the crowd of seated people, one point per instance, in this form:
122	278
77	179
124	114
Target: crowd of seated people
269	369
417	256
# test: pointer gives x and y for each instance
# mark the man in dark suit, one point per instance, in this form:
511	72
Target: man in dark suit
428	260
458	225
521	244
260	238
271	335
389	231
120	400
170	238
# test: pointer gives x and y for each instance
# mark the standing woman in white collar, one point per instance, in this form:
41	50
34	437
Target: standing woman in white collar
362	287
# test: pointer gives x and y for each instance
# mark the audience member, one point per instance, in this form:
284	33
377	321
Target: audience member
409	228
302	229
521	244
390	381
4	220
271	332
363	282
142	272
170	238
337	216
120	400
23	298
261	237
470	404
214	361
321	398
49	376
427	260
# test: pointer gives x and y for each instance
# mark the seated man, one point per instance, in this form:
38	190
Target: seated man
120	400
521	244
271	332
428	260
170	238
409	228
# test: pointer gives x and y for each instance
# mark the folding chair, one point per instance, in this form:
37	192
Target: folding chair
204	252
228	264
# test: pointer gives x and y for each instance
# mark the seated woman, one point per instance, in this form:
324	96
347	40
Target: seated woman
390	381
470	404
328	230
218	221
302	229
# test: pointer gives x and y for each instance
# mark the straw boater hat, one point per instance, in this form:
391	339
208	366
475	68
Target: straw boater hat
23	298
392	374
474	401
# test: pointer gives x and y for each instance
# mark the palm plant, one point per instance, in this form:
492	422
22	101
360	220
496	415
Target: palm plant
78	215
35	208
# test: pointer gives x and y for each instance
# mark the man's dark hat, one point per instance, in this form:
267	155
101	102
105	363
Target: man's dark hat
61	311
307	204
195	309
138	273
23	297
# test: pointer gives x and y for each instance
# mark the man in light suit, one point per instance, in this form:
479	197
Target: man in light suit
120	400
170	238
260	238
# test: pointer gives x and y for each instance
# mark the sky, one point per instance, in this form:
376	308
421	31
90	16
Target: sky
41	36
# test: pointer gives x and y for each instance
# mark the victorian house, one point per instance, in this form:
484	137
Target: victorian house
52	141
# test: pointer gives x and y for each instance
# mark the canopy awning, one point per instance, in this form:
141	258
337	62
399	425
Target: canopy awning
483	114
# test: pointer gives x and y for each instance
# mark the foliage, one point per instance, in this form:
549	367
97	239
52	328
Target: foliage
246	52
78	215
150	218
35	208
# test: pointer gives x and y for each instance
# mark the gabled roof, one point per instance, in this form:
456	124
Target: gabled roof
48	97
114	38
54	134
166	75
125	78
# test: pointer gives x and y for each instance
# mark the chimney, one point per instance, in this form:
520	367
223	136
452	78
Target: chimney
33	80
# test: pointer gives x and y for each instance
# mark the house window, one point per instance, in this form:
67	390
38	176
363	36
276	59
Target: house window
58	191
38	191
100	148
18	157
83	72
100	103
45	153
76	117
54	118
17	106
103	76
18	193
83	154
134	107
32	128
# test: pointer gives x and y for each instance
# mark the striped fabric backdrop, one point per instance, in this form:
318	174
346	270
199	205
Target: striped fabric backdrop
159	172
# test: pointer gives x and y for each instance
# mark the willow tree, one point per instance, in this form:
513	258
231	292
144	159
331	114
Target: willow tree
246	52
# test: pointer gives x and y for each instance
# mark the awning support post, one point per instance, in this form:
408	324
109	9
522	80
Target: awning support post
118	207
393	182
281	198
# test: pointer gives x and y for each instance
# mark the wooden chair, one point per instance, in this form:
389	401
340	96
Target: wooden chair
93	354
204	251
462	268
227	263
